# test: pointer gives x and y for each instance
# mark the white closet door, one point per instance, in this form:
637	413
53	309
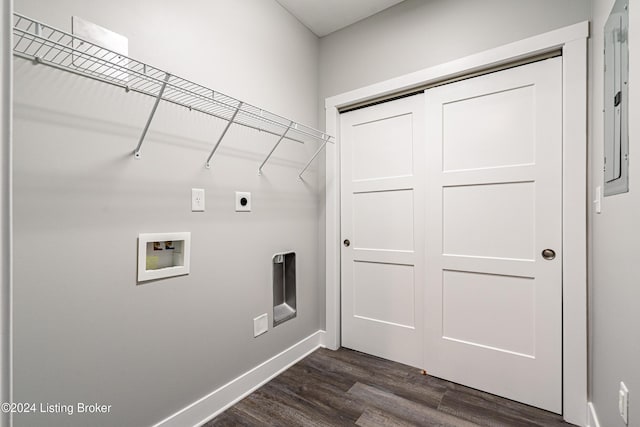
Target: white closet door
382	166
493	302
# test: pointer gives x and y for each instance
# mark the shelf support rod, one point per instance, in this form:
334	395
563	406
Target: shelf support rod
224	132
274	148
326	140
136	152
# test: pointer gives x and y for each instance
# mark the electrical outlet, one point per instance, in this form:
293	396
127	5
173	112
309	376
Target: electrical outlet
243	201
623	402
197	199
260	325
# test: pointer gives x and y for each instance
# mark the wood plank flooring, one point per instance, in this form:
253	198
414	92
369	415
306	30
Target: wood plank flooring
346	388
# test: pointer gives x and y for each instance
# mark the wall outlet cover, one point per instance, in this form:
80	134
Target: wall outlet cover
260	325
243	201
197	199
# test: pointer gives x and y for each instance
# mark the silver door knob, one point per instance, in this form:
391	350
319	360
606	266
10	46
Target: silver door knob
346	243
548	254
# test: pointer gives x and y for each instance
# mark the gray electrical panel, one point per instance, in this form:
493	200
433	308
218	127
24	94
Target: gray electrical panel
616	100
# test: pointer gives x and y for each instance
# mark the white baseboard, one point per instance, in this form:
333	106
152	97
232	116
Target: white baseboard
592	417
202	410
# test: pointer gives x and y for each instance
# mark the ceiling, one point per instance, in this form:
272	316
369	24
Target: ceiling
326	16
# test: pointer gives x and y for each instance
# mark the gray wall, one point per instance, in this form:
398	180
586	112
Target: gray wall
84	330
417	34
5	206
614	288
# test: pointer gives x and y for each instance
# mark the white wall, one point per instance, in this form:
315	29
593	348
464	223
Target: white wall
84	330
614	288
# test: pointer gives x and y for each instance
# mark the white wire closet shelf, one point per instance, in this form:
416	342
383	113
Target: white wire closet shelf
44	44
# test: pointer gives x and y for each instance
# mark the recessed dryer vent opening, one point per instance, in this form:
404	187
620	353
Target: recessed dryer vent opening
284	287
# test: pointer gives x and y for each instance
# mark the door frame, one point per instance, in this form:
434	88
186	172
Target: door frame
572	41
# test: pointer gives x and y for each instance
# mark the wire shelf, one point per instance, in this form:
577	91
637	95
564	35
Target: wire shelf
47	45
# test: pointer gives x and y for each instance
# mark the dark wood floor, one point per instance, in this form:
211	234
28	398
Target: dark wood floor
344	387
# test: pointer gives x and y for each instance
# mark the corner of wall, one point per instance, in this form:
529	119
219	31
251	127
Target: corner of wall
592	417
6	100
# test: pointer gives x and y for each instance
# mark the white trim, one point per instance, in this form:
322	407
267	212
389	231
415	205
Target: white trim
592	417
332	243
181	255
572	41
494	57
574	229
214	403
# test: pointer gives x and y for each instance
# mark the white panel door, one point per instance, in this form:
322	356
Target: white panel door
493	302
382	202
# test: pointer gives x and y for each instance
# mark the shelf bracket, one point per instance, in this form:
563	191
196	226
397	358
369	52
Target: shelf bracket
136	152
274	148
224	132
326	140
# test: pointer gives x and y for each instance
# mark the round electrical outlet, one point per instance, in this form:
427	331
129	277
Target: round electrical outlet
243	201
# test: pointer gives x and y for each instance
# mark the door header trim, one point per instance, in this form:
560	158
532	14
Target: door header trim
465	76
509	53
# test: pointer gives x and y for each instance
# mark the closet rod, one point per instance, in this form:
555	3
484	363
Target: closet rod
39	60
58	49
132	89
